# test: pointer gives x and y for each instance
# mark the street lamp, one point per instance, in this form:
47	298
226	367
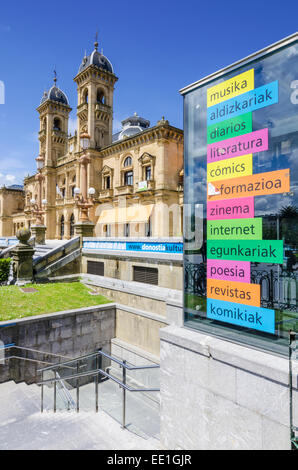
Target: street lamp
37	206
85	201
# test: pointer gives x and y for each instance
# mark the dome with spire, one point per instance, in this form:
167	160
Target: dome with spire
55	94
131	126
96	59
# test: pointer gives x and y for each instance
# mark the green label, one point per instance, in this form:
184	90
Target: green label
261	251
230	128
235	229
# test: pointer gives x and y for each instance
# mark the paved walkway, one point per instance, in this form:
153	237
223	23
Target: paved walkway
23	427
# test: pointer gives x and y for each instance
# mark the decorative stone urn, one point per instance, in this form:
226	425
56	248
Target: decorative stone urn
22	258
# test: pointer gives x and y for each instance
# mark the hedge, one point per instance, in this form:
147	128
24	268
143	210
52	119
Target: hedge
4	269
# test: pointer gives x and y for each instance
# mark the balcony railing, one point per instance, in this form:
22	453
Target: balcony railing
106	193
123	190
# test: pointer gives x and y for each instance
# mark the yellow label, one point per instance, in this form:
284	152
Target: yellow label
230	88
230	168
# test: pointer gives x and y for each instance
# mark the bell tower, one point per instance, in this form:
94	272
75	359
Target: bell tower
53	116
95	86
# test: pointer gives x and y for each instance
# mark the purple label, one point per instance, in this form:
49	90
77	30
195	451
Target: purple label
241	208
238	271
253	142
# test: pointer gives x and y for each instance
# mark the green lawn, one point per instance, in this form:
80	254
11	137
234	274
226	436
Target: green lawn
52	297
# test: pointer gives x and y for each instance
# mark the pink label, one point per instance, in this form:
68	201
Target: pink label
231	209
238	271
253	142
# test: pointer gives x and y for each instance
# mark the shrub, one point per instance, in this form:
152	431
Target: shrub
4	269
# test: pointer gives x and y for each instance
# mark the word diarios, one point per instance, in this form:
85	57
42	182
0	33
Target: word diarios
230	128
233	87
231	209
253	142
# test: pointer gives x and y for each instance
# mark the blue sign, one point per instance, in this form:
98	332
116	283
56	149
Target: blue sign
152	247
250	101
262	319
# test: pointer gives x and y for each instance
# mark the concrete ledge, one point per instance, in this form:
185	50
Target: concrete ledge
61	314
251	360
136	288
142	313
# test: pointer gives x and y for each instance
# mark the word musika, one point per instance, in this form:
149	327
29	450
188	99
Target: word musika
235	86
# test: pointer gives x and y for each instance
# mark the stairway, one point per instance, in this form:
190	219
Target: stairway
23	427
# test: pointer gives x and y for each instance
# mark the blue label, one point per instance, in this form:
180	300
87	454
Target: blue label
257	318
134	246
250	101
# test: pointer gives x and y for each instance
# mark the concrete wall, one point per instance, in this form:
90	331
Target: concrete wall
141	309
120	266
220	395
71	333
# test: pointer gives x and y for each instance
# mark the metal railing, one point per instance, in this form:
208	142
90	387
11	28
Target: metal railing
293	356
95	373
63	392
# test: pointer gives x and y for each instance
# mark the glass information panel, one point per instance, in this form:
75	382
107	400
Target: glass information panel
241	201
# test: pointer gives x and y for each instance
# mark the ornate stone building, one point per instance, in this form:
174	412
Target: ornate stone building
136	173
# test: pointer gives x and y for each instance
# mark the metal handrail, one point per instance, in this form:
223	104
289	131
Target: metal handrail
35	350
101	353
95	372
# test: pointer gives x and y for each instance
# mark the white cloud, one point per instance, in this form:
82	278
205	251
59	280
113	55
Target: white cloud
10	178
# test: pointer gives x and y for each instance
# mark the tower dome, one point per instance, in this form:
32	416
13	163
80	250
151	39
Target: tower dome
96	59
55	94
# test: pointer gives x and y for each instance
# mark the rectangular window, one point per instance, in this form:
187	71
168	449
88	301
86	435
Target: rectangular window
126	230
128	178
145	275
95	267
148	173
241	201
107	182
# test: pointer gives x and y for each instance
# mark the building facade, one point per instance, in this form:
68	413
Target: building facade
136	173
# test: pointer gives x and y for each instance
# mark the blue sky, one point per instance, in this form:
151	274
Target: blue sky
156	48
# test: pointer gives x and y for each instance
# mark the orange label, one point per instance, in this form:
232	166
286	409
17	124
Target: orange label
238	292
273	182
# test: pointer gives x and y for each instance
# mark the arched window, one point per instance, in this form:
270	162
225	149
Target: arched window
71	223
57	124
62	226
85	96
127	162
100	97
